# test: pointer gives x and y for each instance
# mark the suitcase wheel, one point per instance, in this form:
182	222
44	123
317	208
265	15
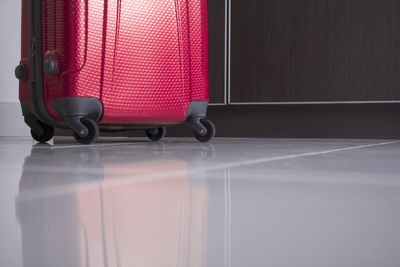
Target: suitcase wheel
156	134
45	134
211	130
93	132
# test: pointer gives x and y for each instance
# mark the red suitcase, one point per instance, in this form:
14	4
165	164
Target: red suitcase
114	65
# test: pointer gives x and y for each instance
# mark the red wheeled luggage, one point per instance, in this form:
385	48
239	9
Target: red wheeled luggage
115	64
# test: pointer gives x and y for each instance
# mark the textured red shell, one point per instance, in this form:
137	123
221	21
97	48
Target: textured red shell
146	60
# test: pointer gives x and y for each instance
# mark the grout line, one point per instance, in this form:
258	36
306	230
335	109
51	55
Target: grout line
127	177
94	145
141	141
308	154
217	167
228	218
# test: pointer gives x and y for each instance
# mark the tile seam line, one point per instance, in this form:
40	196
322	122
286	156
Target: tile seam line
88	146
301	155
268	159
60	190
235	164
143	142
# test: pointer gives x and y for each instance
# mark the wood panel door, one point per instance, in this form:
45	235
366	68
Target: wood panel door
315	50
216	14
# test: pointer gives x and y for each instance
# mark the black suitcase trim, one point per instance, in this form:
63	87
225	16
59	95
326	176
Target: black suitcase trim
36	68
37	80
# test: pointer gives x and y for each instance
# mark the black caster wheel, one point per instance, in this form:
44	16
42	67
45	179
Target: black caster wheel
156	134
46	135
91	136
210	131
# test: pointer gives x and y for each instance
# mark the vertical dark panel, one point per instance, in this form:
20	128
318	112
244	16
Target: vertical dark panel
216	14
315	50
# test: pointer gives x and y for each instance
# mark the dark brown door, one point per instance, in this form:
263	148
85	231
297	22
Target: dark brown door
216	10
315	50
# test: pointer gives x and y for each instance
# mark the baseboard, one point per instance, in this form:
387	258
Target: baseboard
367	121
11	120
284	121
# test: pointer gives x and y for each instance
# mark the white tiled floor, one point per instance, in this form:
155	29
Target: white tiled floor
232	202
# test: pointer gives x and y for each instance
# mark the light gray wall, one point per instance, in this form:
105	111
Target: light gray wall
10	48
11	121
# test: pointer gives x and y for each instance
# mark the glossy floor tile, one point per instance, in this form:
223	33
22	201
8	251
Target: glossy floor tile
232	202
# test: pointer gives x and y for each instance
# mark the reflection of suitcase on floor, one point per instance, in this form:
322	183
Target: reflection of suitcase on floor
116	64
123	216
